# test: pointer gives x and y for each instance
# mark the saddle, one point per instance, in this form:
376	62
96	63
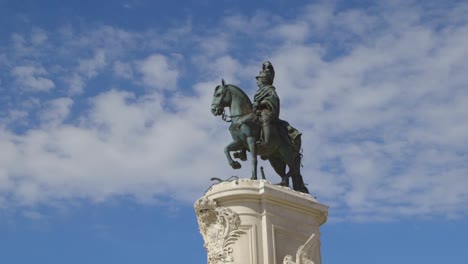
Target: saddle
286	131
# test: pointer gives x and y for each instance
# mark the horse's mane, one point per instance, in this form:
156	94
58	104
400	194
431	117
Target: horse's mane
241	92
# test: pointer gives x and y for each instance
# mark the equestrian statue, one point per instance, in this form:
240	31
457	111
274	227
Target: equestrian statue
257	128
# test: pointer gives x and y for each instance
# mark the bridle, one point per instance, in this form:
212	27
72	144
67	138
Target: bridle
225	117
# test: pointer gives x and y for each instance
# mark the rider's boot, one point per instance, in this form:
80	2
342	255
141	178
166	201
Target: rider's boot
263	146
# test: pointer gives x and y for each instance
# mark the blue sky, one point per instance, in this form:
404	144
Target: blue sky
107	140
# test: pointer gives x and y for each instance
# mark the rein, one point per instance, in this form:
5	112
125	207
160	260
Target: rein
225	117
223	114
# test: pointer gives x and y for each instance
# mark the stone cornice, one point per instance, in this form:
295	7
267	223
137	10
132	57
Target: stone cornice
269	193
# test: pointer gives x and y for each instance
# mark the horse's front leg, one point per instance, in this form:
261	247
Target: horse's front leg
253	152
233	146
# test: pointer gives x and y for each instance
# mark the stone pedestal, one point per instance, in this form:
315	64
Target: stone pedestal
255	222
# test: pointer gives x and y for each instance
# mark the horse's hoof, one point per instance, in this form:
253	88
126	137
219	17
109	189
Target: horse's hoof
283	183
253	178
236	165
302	189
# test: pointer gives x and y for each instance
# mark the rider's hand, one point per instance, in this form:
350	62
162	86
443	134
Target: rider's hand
254	107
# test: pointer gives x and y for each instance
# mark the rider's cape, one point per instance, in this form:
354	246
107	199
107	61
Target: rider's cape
288	131
267	95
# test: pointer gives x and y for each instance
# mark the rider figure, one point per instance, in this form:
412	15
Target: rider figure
266	102
266	105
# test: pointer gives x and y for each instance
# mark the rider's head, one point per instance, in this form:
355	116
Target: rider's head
262	79
267	74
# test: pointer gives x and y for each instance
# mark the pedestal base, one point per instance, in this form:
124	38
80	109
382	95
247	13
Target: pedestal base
255	222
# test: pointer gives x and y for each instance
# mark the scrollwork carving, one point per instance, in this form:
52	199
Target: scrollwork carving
309	253
219	227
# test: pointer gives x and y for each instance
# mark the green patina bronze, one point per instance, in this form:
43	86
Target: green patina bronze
257	128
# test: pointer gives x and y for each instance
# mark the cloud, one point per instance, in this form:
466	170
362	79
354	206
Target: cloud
250	25
215	45
377	111
31	78
382	104
86	55
76	84
293	32
56	111
123	70
38	36
158	72
90	67
86	69
33	215
126	145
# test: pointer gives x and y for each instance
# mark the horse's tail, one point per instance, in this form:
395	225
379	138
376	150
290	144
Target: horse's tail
298	147
292	137
299	157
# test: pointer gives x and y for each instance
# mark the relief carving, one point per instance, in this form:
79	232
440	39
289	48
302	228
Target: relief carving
219	227
309	253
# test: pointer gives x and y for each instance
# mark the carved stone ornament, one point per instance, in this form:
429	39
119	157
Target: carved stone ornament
306	253
219	227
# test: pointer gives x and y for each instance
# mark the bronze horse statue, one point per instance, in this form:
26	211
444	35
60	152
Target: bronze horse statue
246	132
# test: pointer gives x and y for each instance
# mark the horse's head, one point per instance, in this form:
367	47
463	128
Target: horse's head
221	99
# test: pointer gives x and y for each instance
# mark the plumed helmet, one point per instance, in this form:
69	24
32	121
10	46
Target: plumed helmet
267	72
267	67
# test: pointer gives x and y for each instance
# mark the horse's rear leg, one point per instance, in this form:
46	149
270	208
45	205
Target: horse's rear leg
295	173
233	146
280	168
253	152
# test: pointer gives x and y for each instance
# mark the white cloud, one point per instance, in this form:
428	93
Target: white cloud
32	78
250	25
76	84
56	111
19	43
382	104
16	117
126	145
33	215
296	32
378	110
224	67
123	70
38	36
215	45
90	67
320	15
158	72
84	55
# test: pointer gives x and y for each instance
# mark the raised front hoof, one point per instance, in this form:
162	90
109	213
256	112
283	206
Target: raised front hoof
240	155
236	165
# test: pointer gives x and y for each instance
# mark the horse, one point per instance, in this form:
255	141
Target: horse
246	131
